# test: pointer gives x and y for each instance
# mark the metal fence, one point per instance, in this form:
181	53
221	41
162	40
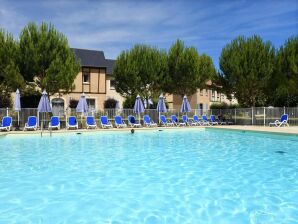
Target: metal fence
240	116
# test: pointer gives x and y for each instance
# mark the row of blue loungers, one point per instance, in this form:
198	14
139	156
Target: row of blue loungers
32	123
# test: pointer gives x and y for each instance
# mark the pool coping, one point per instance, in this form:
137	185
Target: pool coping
128	129
293	131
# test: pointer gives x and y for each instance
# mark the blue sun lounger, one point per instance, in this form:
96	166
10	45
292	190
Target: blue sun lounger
31	123
105	123
205	120
187	121
90	122
213	120
196	120
6	124
176	121
119	123
148	122
54	123
220	120
164	121
133	123
72	123
282	122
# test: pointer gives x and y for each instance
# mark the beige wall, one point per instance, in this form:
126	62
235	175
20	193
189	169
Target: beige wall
99	88
102	81
95	89
97	82
78	83
111	92
94	77
99	99
203	96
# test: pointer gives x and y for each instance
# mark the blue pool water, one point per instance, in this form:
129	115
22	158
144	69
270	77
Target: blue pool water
170	176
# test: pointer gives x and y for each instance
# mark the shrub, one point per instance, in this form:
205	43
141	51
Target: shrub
73	103
129	102
110	103
5	101
30	98
223	105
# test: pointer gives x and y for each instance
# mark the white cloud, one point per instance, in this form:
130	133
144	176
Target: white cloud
117	25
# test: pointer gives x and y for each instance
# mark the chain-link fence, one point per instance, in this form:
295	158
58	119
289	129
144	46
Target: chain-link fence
240	116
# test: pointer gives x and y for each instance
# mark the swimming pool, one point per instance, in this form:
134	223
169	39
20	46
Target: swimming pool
169	176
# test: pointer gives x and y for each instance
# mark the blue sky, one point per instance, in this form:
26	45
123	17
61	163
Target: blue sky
113	26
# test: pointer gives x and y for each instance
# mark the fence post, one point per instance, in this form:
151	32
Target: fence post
284	110
6	111
235	116
264	116
252	116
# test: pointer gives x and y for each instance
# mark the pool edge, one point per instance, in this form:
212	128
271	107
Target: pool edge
256	129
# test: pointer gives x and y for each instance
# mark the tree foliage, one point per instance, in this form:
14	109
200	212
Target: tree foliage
30	97
129	102
187	70
283	88
141	70
10	77
110	103
46	58
73	103
223	105
247	65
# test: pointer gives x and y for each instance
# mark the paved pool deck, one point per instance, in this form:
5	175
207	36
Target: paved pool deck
278	130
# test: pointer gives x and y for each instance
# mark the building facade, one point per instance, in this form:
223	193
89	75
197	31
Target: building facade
96	81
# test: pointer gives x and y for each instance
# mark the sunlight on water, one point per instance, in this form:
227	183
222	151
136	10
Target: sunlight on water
170	176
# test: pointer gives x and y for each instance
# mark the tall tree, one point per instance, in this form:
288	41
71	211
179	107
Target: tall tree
187	70
246	67
46	58
283	87
10	78
141	70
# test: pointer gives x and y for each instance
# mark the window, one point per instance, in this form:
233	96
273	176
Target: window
112	84
200	109
86	77
91	104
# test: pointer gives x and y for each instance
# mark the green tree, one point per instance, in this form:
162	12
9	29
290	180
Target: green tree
246	67
110	103
46	58
187	70
283	87
10	78
141	70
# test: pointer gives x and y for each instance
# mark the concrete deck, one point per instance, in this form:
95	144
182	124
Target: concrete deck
278	130
128	129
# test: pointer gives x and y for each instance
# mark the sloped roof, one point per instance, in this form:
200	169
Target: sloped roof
93	58
110	64
90	58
